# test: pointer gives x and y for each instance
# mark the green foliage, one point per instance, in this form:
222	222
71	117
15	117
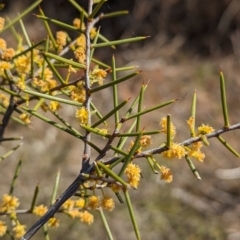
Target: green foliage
32	83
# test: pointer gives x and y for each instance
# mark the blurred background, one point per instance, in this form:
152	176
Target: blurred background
191	40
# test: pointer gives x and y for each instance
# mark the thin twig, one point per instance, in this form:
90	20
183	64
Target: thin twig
87	149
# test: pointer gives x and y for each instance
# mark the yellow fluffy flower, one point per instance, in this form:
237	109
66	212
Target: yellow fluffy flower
94	202
54	106
78	92
40	210
45	85
80	203
86	217
115	187
175	151
3	44
8	54
195	151
93	33
80	55
81	41
108	203
4	66
145	141
82	115
74	213
4	99
190	123
205	129
47	74
53	222
68	205
163	125
61	39
9	203
166	174
21	83
97	75
23	64
25	118
19	230
198	155
77	23
3	228
133	173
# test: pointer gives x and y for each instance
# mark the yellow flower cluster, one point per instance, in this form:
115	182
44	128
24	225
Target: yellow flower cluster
4	99
46	82
61	39
133	173
4	66
97	75
95	202
3	228
82	115
80	51
195	151
190	123
5	56
53	222
145	141
20	83
78	92
45	85
80	203
93	32
68	205
86	217
163	125
166	174
25	118
205	129
108	203
54	106
175	151
72	208
8	54
73	204
77	23
102	131
115	188
3	44
19	230
9	203
23	64
80	55
91	184
40	210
